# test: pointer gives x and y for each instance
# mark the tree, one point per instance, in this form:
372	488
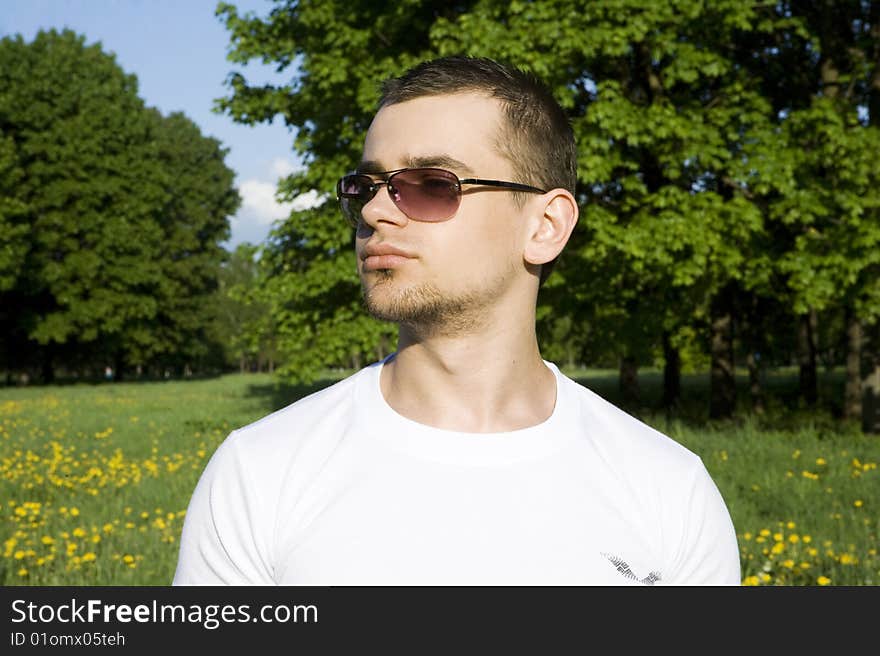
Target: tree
199	196
240	319
817	174
115	212
625	75
704	130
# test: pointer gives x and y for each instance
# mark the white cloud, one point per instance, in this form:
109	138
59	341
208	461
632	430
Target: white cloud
260	210
281	167
258	202
307	200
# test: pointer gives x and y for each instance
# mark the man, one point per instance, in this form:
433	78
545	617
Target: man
464	457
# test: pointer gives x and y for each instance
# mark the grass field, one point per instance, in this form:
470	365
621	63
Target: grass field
95	479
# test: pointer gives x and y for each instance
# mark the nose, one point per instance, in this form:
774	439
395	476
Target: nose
382	209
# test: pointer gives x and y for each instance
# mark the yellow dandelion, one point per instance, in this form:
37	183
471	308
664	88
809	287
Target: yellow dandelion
23	572
751	580
820	461
78	532
765	578
778	548
790	525
128	559
794	538
788	563
823	580
88	557
47	540
807	539
19	554
858	503
777	537
765	532
74	511
747	536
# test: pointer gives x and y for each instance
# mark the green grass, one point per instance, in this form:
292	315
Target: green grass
95	478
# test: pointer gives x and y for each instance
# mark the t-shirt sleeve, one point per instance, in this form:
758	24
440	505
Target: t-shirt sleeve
708	553
224	539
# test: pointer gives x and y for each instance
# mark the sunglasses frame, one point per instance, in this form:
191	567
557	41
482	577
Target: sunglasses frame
388	181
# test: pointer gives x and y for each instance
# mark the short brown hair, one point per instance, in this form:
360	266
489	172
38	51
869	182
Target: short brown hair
536	135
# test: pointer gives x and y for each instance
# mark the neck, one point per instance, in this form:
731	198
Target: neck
491	379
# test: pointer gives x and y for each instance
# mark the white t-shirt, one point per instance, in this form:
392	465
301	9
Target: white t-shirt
339	489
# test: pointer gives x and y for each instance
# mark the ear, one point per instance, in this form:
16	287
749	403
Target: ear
551	229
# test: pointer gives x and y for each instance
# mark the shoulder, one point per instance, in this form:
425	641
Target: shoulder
608	423
315	422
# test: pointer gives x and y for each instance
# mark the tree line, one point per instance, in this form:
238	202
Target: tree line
728	178
112	219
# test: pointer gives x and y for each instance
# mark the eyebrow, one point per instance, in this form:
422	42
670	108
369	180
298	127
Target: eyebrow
428	161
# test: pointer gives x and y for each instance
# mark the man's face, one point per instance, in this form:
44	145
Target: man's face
452	271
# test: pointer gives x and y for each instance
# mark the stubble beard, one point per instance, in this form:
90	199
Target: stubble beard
424	309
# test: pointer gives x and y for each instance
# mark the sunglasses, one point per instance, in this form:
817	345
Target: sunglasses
423	194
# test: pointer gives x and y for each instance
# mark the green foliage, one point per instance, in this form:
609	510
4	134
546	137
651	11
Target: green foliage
114	212
705	151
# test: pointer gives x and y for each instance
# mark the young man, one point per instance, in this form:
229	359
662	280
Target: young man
464	458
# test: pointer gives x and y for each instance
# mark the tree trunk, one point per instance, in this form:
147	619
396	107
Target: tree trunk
871	382
756	391
808	380
871	400
671	373
722	382
48	365
628	382
118	368
852	401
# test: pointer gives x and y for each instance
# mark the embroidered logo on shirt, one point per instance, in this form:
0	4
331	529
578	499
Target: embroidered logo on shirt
624	569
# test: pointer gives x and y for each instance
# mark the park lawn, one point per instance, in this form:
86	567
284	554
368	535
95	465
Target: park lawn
96	478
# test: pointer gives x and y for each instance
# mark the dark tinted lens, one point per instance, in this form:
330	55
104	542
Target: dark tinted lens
425	194
354	192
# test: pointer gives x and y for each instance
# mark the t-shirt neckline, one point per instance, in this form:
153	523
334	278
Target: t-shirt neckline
456	447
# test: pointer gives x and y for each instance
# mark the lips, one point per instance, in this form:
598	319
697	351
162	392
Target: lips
384	256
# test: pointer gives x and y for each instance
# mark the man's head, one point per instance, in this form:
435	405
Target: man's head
535	134
479	121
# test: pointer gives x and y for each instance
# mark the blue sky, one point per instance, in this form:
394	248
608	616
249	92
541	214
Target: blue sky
177	49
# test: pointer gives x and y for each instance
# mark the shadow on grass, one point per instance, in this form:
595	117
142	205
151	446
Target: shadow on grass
97	381
278	394
783	406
